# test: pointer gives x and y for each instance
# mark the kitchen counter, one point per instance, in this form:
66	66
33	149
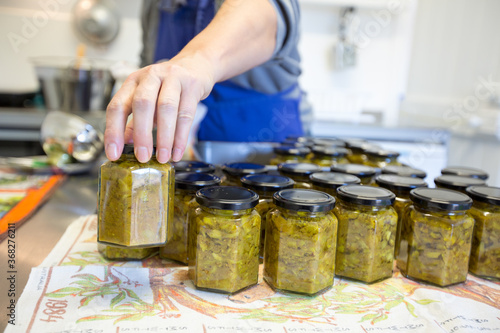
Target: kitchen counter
34	239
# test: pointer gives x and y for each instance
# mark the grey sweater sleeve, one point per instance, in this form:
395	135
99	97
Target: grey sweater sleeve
283	69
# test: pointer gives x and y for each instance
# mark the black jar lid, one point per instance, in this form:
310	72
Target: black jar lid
440	199
304	200
329	151
333	179
292	150
128	149
265	183
486	194
227	197
193	181
298	169
404	171
361	145
240	169
366	195
398	183
292	143
358	170
458	183
377	152
193	166
328	142
465	172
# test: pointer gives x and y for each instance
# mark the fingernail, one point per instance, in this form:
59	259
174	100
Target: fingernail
142	154
112	151
162	155
177	155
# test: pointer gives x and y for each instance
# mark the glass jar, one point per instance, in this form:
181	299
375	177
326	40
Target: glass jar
366	233
485	252
265	186
234	171
186	185
327	156
224	235
436	237
403	171
136	201
299	172
379	158
465	172
457	183
300	242
122	253
193	166
357	150
363	172
401	187
290	154
328	182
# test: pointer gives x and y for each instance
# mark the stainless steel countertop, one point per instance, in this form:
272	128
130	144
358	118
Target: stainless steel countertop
34	239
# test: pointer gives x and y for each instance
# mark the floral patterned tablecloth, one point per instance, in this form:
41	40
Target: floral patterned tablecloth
75	290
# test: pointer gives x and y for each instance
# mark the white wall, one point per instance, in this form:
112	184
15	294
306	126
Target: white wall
55	37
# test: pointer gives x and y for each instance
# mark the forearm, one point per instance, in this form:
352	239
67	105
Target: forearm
241	36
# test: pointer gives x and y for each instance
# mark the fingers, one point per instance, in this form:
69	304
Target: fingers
116	117
144	106
166	118
185	116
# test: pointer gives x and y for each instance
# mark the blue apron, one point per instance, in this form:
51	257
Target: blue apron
234	113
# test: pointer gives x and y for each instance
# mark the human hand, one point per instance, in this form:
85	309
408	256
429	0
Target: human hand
165	94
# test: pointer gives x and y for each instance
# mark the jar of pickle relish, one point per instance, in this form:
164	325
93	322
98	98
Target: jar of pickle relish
457	183
122	253
234	171
379	158
328	182
357	150
366	233
401	187
485	252
265	186
363	172
436	237
186	185
224	236
290	154
465	172
193	166
403	171
299	172
301	234
135	201
326	156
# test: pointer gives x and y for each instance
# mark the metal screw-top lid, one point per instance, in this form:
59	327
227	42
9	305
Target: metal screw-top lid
358	170
193	166
193	181
465	172
440	199
267	183
293	143
486	194
292	150
128	149
377	152
366	195
333	179
398	183
361	146
298	169
329	151
227	197
240	169
328	142
304	200
404	171
457	183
